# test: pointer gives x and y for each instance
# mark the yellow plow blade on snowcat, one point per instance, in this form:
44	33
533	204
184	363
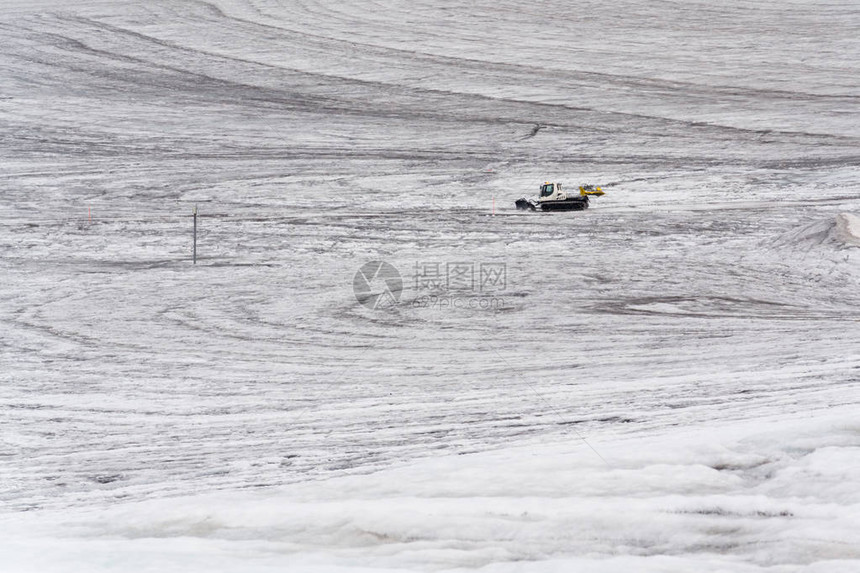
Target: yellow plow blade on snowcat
591	190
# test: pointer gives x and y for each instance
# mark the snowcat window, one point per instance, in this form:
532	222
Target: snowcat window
546	190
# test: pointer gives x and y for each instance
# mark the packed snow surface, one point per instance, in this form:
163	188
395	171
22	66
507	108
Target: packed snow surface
752	497
667	381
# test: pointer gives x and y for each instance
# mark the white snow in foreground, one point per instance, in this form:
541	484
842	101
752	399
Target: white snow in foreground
699	325
774	495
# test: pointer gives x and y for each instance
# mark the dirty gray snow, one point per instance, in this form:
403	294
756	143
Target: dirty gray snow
667	381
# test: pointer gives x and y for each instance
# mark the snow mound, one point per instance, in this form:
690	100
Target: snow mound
840	231
847	229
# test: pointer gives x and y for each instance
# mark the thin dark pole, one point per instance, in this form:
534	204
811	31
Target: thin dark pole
194	254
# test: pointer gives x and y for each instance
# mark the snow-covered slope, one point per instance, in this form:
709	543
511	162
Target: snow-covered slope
771	495
710	293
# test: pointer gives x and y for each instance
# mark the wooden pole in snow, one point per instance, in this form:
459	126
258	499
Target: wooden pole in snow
194	251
